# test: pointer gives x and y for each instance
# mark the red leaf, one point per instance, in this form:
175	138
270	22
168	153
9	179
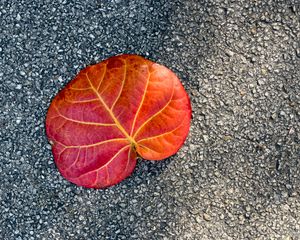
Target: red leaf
113	111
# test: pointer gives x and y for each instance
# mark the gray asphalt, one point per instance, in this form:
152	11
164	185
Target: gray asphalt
238	174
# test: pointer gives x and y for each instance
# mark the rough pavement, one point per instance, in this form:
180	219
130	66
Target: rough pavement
238	175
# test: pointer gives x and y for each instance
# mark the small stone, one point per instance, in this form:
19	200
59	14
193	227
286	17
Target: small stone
205	138
227	138
198	219
264	71
229	53
253	30
282	113
122	205
148	209
230	191
18	18
276	27
241	219
242	92
274	116
260	82
206	217
193	147
19	86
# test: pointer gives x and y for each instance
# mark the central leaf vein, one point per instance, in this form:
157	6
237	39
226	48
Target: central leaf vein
119	126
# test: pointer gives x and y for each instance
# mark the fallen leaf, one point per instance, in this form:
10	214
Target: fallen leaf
112	112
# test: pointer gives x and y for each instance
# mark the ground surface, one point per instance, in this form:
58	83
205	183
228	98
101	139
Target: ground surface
238	175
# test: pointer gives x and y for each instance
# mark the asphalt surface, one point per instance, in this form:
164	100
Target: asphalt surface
238	174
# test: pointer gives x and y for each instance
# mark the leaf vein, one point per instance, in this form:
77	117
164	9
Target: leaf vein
110	112
154	115
165	133
83	122
103	75
81	101
142	101
75	161
121	90
91	145
106	164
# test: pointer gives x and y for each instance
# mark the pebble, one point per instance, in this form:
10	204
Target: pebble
148	209
198	219
205	138
206	217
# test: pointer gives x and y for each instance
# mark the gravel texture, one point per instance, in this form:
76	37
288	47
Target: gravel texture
238	174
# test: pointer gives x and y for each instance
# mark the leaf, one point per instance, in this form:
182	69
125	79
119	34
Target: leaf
112	112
